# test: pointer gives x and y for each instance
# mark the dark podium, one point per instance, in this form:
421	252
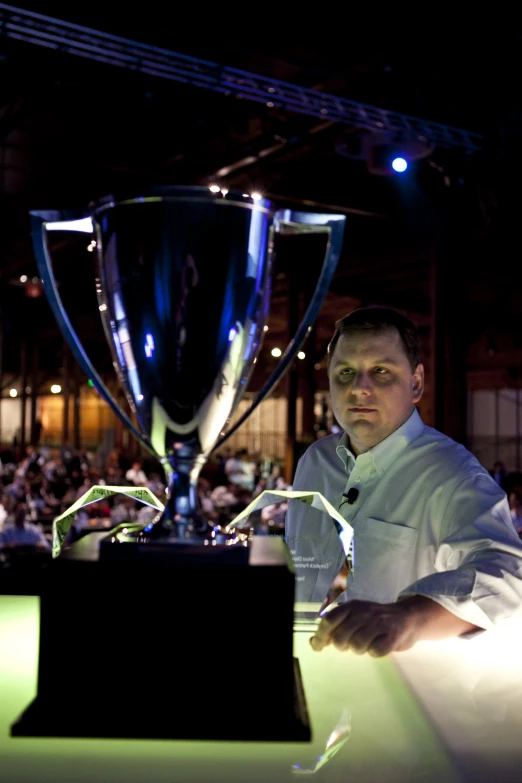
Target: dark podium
168	642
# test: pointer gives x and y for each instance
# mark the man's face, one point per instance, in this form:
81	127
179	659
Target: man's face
372	386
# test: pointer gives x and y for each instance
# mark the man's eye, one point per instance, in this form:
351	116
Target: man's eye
346	371
381	370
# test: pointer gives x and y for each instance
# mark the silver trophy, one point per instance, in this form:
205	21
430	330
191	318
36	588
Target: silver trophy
183	282
183	285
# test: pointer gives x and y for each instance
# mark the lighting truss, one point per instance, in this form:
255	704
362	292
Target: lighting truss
103	47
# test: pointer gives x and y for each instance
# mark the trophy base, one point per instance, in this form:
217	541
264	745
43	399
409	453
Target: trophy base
168	642
207	721
173	550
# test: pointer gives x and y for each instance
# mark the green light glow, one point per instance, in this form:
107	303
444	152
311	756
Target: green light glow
391	734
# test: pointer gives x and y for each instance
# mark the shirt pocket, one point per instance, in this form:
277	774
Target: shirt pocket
384	560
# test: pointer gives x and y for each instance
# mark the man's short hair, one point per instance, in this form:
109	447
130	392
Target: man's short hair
376	320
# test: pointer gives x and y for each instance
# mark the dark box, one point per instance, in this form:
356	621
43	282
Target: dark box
168	641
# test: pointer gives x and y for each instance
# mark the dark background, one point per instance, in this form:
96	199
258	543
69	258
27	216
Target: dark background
440	242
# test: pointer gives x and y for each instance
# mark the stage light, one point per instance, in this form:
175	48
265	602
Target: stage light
276	352
389	154
399	165
386	160
56	388
13	393
301	355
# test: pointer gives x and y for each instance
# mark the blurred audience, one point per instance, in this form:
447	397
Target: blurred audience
47	481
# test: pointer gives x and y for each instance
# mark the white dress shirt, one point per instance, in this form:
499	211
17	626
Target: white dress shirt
428	520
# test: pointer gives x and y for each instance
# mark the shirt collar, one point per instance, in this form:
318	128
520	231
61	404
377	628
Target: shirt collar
385	452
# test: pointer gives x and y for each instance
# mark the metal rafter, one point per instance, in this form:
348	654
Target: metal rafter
103	47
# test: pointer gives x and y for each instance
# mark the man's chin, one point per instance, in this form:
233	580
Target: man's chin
361	425
364	433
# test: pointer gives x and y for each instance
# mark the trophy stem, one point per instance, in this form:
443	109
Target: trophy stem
181	519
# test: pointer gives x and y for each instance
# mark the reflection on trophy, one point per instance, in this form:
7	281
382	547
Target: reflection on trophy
183	284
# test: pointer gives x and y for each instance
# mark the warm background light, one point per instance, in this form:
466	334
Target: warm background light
56	388
13	393
276	352
301	355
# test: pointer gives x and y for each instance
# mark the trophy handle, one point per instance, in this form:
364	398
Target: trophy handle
286	221
52	220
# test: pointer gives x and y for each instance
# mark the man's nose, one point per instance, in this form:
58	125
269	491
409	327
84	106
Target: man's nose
362	383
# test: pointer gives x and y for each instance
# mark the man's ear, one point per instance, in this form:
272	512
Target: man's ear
417	384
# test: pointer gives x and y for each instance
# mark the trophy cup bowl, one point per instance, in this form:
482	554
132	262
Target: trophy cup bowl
183	282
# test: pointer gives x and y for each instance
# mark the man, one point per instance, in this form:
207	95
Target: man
435	552
499	473
136	475
21	532
241	470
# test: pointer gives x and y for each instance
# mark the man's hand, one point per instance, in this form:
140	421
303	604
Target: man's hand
379	629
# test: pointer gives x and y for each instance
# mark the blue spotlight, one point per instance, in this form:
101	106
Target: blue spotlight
399	165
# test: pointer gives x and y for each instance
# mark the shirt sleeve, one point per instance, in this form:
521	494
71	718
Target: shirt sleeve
478	564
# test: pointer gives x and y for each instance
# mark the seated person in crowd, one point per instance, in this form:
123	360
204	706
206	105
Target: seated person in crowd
155	484
19	531
146	514
223	497
241	470
7	504
435	551
16	489
124	510
136	475
515	507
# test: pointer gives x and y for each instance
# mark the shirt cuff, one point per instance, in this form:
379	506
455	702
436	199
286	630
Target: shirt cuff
460	606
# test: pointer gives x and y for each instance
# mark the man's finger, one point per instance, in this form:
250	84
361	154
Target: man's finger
328	625
382	645
321	637
355	636
337	615
318	644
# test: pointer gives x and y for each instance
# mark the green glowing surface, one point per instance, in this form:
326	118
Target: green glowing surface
390	738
